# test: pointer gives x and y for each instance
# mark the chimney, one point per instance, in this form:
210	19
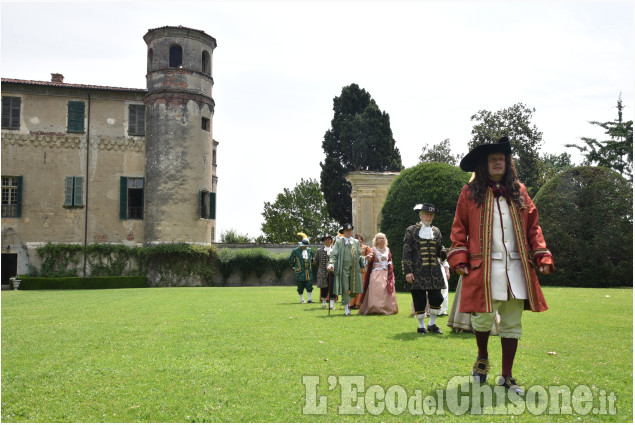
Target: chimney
57	78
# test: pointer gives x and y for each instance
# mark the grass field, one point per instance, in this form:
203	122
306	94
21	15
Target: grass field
242	355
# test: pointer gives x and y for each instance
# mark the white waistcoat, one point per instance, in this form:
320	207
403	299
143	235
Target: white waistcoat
507	270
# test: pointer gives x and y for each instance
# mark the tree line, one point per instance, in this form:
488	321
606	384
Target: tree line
360	139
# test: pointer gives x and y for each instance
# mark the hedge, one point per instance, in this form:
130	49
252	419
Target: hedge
431	182
110	282
586	214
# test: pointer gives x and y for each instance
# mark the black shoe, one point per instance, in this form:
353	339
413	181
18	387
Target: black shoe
510	383
480	369
434	329
310	302
422	330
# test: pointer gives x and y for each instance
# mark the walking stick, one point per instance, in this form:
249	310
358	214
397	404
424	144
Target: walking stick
328	294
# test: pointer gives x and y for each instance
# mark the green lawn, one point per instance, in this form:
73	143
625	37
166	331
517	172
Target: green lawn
241	354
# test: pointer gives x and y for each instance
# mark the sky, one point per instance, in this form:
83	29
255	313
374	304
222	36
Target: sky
431	65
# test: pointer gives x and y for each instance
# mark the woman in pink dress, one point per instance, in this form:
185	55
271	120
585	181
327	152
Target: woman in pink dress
379	295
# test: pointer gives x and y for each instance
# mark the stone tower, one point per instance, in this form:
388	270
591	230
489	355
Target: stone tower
180	168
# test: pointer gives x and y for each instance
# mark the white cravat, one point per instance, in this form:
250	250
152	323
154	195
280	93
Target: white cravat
305	254
328	249
347	241
425	232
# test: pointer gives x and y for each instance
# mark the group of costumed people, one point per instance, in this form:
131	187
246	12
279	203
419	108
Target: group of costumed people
496	242
360	275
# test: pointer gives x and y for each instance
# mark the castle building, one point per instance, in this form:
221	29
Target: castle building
84	164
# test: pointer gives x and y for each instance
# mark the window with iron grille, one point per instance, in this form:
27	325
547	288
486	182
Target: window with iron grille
11	196
205	123
74	192
75	117
136	120
11	112
131	198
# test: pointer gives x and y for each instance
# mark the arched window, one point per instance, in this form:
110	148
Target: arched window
206	65
176	56
150	58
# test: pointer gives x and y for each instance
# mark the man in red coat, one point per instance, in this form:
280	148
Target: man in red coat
496	239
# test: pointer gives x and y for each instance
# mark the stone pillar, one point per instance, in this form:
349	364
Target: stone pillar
368	193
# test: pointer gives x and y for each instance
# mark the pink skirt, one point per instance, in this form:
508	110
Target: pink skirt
378	300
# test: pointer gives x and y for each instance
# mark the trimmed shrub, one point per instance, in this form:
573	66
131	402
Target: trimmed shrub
586	214
436	183
110	282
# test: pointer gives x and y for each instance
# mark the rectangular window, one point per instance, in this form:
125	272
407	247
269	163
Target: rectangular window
131	198
205	124
207	204
136	120
74	193
203	203
75	117
11	112
12	196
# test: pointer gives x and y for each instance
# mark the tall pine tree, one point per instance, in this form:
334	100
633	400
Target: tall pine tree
360	139
617	151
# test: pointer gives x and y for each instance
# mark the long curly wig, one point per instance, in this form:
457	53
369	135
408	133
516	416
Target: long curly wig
478	186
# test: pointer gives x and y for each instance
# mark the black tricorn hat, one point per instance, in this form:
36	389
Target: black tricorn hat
426	207
346	226
472	159
327	236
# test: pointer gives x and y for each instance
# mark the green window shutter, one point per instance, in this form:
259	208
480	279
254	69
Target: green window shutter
78	195
15	112
212	205
123	198
11	112
75	117
132	119
200	204
18	207
142	197
68	193
141	120
6	112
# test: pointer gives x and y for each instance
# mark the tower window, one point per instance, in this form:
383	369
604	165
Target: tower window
150	59
205	124
176	56
206	63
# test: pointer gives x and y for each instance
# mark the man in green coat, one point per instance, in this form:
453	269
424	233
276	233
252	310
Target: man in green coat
300	259
347	262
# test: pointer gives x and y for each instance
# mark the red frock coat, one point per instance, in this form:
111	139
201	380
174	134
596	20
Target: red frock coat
471	245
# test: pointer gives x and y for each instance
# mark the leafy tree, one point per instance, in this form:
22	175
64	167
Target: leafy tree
553	165
439	184
616	152
360	139
526	139
302	209
586	214
439	153
232	236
